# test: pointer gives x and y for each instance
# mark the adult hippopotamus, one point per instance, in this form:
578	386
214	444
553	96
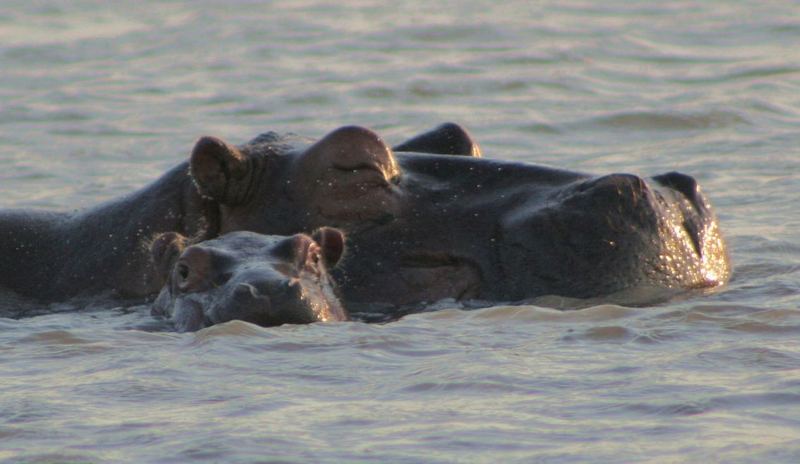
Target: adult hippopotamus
426	226
264	279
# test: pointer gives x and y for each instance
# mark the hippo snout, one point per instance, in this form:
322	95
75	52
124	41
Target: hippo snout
265	298
248	299
612	206
611	233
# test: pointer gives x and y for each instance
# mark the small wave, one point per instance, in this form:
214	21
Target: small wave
528	58
464	388
538	313
641	49
443	34
59	344
288	338
228	329
756	327
32	457
745	74
55	337
250	110
751	358
378	92
657	121
17	114
606	333
723	310
103	130
74	29
541	128
749	271
765	245
746	319
438	88
756	400
681	409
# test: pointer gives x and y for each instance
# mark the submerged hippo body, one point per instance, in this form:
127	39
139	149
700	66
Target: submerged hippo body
423	226
263	279
53	256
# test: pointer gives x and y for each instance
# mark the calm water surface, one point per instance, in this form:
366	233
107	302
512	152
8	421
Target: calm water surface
99	99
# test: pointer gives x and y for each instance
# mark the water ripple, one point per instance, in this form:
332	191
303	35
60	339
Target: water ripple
744	74
662	121
751	358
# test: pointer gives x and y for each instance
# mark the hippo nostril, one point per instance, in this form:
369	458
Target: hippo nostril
686	185
247	292
247	302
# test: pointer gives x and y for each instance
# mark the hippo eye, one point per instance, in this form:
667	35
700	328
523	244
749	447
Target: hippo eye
183	271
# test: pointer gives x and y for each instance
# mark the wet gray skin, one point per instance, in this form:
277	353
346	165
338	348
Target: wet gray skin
52	256
427	225
264	279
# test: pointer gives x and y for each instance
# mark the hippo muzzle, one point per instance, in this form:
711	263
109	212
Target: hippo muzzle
611	233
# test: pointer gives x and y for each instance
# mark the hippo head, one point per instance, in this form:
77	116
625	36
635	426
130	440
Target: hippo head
347	180
263	279
423	227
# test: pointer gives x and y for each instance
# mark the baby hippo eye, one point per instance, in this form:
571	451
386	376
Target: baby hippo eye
192	271
183	271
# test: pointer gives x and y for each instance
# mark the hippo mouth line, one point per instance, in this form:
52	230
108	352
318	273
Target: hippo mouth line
441	275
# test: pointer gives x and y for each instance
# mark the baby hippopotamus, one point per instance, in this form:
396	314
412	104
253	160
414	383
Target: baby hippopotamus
264	279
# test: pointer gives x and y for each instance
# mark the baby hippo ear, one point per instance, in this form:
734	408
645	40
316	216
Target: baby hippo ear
220	171
331	241
165	249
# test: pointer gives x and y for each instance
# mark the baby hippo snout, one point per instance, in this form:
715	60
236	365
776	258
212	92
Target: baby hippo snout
245	293
248	303
266	300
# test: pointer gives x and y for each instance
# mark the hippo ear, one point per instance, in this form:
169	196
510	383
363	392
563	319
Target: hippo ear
447	139
220	171
331	241
165	250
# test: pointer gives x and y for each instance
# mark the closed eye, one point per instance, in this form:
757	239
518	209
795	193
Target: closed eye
357	167
362	174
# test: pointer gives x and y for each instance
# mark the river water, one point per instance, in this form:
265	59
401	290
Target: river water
98	98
